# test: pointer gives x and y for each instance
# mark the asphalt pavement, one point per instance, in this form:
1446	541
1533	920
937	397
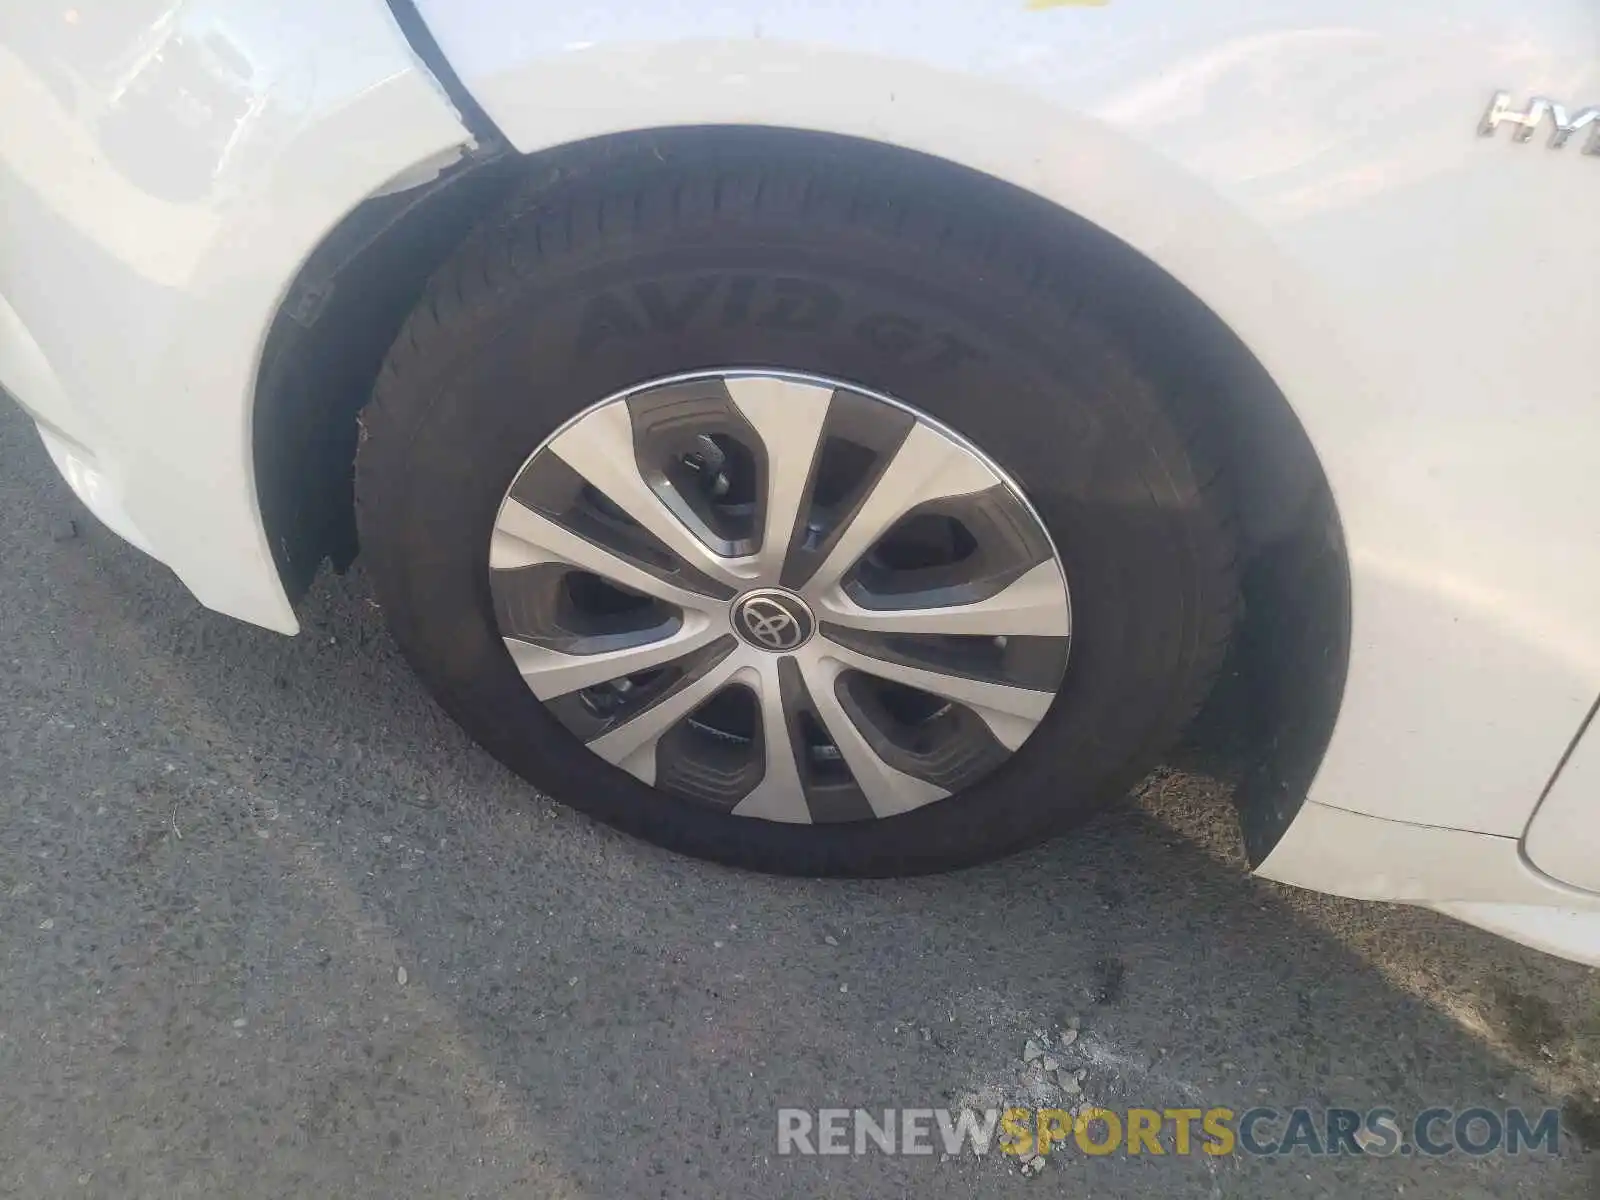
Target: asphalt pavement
271	925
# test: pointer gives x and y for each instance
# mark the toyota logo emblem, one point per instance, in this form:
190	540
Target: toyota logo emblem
768	622
773	620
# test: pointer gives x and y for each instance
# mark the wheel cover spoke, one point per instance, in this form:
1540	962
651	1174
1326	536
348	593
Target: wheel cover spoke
631	746
887	790
1029	607
788	417
781	596
550	673
523	537
928	465
600	448
1013	709
780	796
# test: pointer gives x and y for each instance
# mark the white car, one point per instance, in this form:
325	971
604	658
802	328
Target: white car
853	438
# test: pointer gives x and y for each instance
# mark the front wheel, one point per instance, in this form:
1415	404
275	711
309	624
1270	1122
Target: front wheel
786	529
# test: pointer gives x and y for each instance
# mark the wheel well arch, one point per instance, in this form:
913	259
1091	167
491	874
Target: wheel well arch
1272	714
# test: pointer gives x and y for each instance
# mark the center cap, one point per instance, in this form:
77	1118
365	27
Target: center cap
774	620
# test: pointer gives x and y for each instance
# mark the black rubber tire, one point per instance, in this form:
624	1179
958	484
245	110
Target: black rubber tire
789	253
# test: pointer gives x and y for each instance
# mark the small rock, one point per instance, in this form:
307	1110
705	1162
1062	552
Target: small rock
240	1022
1111	976
63	531
1068	1036
844	987
1368	1139
1042	1037
1069	1083
48	923
718	945
1072	1024
925	1033
830	940
1031	1166
1050	1063
1032	1050
400	976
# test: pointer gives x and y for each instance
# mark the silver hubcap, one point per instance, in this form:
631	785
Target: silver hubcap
780	596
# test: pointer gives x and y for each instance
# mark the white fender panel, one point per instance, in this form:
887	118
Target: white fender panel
1474	877
1564	838
1568	933
1369	858
177	163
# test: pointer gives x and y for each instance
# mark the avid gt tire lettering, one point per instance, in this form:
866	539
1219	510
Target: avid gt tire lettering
784	303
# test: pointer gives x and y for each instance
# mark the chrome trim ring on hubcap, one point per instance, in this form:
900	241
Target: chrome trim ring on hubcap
780	596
